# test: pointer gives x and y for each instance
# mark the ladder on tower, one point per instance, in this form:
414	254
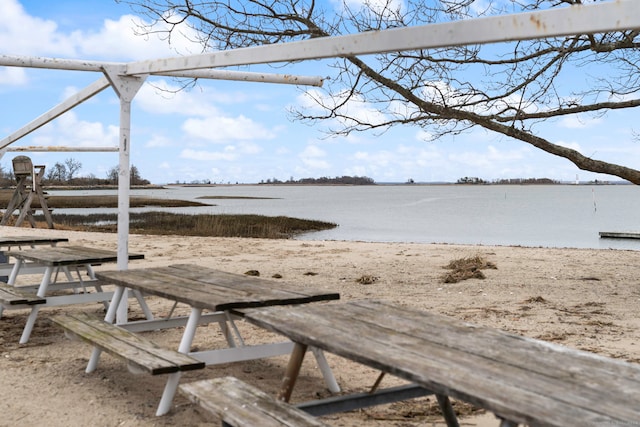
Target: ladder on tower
28	187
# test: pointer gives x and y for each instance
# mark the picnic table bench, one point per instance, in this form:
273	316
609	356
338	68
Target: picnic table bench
54	292
239	404
210	294
141	354
11	296
521	380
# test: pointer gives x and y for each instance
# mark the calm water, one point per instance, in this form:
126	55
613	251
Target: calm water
550	216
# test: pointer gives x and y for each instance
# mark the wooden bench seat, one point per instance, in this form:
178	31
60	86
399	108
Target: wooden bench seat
239	404
141	354
10	295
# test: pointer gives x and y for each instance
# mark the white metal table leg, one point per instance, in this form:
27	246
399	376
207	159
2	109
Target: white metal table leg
327	373
109	318
31	320
185	346
15	271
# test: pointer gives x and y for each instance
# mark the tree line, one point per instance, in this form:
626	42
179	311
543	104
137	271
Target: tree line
344	180
66	173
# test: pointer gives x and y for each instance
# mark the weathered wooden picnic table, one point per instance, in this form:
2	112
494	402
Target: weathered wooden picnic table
65	259
20	242
521	380
210	294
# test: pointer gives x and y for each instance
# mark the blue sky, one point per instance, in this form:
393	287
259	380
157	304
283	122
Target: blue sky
241	132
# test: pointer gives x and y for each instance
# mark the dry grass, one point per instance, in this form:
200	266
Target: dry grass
165	223
467	268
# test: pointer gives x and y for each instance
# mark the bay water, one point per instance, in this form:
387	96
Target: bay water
528	215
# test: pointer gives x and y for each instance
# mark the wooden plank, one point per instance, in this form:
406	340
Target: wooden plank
241	405
69	255
210	289
270	292
513	391
10	295
578	377
142	353
30	240
619	235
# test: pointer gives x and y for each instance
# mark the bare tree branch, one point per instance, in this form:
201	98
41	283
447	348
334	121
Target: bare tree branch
504	88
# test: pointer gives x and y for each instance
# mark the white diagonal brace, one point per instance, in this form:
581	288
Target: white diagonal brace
58	110
615	15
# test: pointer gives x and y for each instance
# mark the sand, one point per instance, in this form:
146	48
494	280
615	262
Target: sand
580	298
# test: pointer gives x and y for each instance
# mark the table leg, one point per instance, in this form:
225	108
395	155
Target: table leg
327	373
293	369
447	410
31	320
185	347
42	292
109	318
15	271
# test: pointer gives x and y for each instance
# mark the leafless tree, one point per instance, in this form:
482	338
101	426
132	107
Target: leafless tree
57	173
73	166
505	88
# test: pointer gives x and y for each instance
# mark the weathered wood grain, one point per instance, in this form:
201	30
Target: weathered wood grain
215	290
68	255
241	405
10	295
30	240
143	354
522	379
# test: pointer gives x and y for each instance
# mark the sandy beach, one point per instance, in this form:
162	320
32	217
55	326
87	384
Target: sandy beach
581	298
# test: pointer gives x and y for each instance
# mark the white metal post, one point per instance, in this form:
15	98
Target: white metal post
126	87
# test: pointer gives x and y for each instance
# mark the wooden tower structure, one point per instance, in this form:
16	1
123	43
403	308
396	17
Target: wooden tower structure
28	187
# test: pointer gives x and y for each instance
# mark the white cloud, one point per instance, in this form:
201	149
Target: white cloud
162	97
12	76
21	34
579	121
158	141
313	157
356	107
68	130
224	129
228	154
118	40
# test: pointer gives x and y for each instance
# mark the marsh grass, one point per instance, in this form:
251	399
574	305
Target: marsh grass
279	227
104	201
165	223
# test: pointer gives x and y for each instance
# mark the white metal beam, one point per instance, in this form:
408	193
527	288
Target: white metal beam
61	149
86	93
247	76
98	66
577	19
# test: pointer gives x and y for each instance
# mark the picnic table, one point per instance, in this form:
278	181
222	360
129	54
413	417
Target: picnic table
20	242
211	295
65	259
521	380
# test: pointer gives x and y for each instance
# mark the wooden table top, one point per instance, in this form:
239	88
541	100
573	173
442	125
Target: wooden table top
525	380
206	288
68	255
30	240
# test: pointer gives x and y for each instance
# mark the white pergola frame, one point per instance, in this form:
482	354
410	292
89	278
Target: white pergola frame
126	78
